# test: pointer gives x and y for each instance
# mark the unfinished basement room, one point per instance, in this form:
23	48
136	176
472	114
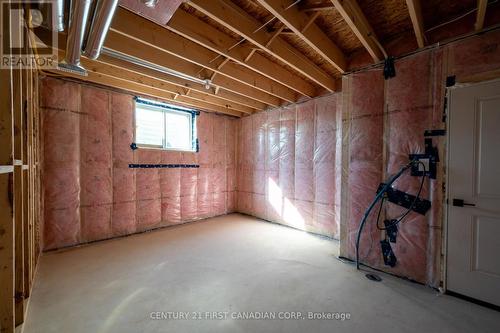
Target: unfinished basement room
250	166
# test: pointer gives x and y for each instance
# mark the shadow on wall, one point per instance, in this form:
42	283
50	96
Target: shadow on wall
287	162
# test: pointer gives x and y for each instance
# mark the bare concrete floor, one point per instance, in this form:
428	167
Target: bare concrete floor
239	266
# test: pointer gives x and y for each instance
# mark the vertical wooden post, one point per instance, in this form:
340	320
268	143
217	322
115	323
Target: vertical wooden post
6	207
25	167
18	195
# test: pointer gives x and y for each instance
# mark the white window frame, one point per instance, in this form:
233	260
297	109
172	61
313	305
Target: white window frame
166	109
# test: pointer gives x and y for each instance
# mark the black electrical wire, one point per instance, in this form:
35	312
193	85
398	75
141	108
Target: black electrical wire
378	218
374	202
414	202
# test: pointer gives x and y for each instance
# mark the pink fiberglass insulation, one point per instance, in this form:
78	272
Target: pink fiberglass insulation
124	208
474	55
313	166
409	106
61	173
364	135
385	122
231	141
96	197
286	156
90	193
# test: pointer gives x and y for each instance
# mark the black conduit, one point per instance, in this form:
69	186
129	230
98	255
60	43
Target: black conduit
377	198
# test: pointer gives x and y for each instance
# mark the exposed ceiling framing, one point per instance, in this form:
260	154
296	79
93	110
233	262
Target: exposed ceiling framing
354	17
243	56
304	27
415	10
481	13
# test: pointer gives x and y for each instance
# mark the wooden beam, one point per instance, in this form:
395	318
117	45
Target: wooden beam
316	8
307	30
17	109
354	17
223	96
125	74
6	209
481	13
124	44
133	87
28	193
157	36
416	18
234	18
198	31
232	89
228	96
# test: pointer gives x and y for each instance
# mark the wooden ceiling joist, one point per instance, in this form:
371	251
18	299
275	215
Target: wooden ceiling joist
480	14
113	67
305	28
354	17
227	96
316	8
123	73
415	10
119	83
157	36
193	28
236	19
129	46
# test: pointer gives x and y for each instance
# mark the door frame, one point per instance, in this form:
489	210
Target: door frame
446	181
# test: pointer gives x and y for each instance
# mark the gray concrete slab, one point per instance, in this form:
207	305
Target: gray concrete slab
236	266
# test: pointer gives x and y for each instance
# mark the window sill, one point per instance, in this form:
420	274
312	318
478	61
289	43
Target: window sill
165	149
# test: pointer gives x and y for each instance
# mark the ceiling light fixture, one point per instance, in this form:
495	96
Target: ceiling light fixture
150	3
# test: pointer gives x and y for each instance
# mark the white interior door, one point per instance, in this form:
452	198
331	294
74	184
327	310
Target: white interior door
473	242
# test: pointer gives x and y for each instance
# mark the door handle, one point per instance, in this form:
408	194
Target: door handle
461	203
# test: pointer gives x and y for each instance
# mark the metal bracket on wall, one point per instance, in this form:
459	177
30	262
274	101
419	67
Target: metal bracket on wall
429	159
451	81
406	200
435	132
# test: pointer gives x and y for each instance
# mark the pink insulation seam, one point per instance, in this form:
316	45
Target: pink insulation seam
95	164
124	189
231	142
364	172
61	172
286	156
408	98
92	194
436	194
245	166
409	115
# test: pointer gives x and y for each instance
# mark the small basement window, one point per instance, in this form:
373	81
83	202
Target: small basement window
164	126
